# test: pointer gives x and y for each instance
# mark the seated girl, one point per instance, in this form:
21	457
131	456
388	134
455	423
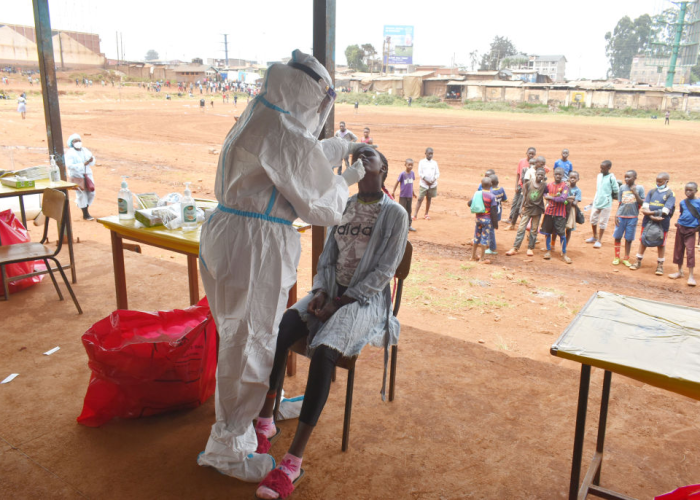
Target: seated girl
348	308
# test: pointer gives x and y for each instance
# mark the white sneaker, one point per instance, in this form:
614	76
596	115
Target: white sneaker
597	244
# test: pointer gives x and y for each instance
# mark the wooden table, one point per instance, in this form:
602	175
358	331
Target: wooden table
653	342
39	187
186	243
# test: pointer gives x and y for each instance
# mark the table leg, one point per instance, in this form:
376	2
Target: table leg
580	431
292	358
69	230
23	214
119	271
193	279
602	422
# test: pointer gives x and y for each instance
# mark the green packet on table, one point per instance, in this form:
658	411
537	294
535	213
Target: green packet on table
17	182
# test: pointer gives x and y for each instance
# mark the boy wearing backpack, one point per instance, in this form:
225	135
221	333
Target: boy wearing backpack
658	208
533	207
483	205
688	224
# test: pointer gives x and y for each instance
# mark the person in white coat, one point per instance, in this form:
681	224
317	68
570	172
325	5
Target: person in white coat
272	169
79	161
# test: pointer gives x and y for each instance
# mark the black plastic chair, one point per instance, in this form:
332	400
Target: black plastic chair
53	207
348	363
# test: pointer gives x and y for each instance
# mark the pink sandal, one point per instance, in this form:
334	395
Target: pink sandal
427	217
280	483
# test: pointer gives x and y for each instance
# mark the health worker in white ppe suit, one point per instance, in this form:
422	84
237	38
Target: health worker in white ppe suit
272	169
79	161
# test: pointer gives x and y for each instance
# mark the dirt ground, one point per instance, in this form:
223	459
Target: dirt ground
482	410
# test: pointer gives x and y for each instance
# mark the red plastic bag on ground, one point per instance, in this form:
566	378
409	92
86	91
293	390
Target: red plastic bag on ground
11	232
691	492
149	363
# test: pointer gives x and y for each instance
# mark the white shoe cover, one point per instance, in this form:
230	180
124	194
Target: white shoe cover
252	469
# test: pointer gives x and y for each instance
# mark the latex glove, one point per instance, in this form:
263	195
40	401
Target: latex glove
354	146
354	173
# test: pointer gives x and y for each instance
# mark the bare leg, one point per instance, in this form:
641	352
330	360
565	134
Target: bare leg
600	234
628	247
301	438
427	205
691	278
418	204
595	231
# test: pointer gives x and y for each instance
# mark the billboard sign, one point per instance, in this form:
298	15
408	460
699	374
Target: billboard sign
400	44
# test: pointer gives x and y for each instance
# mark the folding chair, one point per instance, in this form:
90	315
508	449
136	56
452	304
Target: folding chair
348	363
53	207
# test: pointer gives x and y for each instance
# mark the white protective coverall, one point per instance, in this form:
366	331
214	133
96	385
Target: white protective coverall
75	164
272	169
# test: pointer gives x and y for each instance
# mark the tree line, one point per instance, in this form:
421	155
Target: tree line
651	36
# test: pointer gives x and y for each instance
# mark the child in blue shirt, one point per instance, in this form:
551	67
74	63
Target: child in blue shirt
564	164
574	199
658	207
500	196
688	224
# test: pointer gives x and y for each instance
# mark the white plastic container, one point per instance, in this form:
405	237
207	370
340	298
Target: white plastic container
189	210
126	202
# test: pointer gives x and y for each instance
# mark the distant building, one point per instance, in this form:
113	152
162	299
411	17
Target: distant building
653	71
552	66
72	49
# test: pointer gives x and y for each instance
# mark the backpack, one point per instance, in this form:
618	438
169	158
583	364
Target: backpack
653	234
477	206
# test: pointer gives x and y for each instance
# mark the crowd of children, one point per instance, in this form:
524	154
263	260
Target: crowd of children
552	209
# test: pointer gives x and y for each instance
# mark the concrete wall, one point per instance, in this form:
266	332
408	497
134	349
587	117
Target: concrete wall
19	50
438	88
611	99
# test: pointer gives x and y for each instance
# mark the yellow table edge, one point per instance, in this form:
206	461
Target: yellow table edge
38	188
156	236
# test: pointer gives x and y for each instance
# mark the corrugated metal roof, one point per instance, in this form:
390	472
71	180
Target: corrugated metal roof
444	77
420	73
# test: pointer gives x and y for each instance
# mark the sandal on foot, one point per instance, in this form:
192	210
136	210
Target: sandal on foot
265	443
547	256
511	252
530	253
675	276
616	261
691	283
566	259
427	217
280	483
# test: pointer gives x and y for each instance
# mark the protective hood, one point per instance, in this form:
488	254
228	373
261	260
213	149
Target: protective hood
292	90
74	137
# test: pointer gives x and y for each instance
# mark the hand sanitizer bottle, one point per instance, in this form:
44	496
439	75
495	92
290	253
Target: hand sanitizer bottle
54	172
189	210
126	202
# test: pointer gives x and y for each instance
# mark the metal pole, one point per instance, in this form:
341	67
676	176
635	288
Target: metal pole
226	49
676	45
324	51
49	88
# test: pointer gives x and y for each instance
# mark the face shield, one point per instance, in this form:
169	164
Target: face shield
329	95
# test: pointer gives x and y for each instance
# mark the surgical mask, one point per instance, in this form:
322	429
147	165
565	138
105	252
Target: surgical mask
78	145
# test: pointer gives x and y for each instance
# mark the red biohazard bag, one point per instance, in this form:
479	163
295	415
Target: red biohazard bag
147	363
11	232
691	492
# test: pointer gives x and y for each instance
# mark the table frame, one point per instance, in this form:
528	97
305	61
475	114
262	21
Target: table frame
591	481
21	193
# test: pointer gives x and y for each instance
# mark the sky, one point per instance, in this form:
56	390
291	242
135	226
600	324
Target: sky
444	30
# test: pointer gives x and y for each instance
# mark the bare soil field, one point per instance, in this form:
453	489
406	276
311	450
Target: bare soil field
482	410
